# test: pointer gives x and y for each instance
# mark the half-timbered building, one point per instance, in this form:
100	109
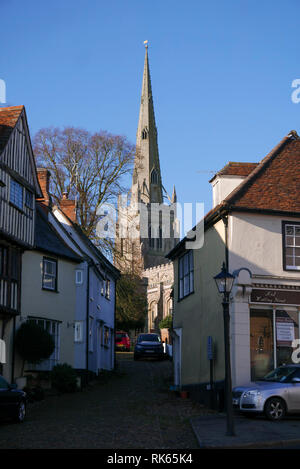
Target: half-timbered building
19	187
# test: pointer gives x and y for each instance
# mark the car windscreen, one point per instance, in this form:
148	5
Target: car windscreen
120	336
279	375
149	338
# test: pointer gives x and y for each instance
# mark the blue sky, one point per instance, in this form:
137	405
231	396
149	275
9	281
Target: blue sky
221	75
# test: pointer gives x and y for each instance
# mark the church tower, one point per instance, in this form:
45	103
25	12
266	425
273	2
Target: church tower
147	217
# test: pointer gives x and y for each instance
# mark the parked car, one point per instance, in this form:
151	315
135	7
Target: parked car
122	341
275	395
12	401
148	345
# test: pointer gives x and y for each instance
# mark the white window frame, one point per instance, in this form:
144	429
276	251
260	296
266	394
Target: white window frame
78	331
186	274
291	245
53	276
91	334
55	333
107	288
78	276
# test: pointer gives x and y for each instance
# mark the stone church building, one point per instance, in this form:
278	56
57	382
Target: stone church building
147	227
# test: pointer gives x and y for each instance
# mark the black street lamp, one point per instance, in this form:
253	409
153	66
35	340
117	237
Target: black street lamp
224	281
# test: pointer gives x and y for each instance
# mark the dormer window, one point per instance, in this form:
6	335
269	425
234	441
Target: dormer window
154	177
144	134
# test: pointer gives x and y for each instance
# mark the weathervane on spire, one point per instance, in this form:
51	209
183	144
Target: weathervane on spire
146	44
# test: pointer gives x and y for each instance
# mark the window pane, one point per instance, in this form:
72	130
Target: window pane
191	282
297	241
297	230
289	261
28	199
181	267
49	282
289	230
186	264
191	258
181	288
186	285
289	241
49	267
16	194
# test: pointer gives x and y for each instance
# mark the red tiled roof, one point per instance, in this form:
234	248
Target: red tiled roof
236	169
275	182
8	119
272	185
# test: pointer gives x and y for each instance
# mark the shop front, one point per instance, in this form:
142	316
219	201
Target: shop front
274	326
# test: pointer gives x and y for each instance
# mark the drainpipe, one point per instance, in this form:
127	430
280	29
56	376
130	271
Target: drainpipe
225	221
87	321
114	335
13	351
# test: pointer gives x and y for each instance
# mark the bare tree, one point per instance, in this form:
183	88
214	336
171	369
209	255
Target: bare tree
85	166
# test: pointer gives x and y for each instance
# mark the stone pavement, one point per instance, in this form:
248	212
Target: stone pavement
131	408
255	432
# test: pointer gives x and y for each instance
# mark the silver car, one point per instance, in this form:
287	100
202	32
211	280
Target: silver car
275	395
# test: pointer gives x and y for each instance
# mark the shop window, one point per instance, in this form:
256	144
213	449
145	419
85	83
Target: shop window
291	245
263	354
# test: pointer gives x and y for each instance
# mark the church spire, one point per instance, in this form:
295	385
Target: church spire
147	167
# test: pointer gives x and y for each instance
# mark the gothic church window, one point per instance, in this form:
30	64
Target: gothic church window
144	134
154	177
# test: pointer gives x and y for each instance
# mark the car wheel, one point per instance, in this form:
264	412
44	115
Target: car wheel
21	412
275	409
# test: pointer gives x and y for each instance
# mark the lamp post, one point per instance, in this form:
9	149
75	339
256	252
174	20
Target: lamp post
224	281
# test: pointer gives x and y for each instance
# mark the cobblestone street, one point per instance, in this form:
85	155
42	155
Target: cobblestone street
130	408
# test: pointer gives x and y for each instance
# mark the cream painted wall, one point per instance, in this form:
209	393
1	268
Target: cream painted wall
47	304
223	186
201	314
255	242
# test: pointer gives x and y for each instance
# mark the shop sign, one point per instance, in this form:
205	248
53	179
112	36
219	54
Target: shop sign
287	297
285	332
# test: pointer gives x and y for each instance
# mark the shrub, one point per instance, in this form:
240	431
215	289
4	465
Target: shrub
166	323
63	378
33	343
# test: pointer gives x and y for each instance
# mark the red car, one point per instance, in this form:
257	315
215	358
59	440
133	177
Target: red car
122	341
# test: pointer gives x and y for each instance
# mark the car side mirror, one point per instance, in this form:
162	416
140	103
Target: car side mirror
295	380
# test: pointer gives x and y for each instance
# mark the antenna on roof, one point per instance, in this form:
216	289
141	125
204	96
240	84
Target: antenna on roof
206	172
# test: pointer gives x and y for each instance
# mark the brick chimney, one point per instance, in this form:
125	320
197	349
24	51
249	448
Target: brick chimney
44	181
68	207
